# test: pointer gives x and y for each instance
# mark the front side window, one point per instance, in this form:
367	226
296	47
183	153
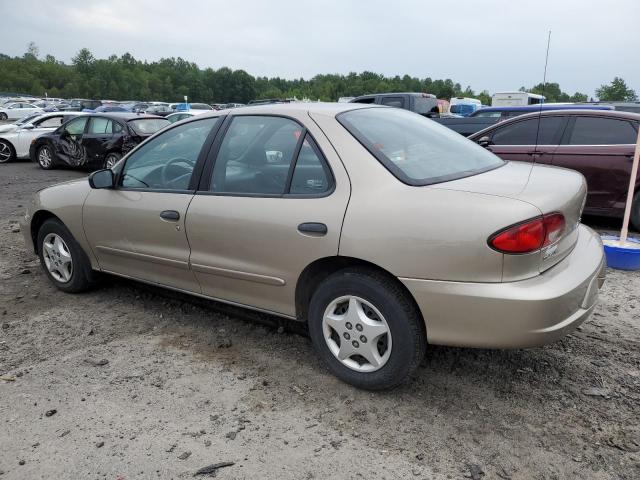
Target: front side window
255	156
418	151
525	132
602	131
167	161
76	126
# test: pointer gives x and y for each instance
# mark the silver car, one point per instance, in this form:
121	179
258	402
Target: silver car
381	229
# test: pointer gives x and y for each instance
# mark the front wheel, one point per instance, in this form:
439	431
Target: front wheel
45	158
366	329
111	159
3	116
63	259
7	153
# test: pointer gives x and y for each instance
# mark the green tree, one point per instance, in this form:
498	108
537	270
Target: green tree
616	91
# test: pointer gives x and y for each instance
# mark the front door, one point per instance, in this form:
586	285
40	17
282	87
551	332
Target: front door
602	150
69	147
528	141
270	205
138	228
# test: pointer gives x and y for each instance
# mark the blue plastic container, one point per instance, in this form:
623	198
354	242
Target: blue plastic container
620	257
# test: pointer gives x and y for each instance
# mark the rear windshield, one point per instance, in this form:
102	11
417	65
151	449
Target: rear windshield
148	126
418	151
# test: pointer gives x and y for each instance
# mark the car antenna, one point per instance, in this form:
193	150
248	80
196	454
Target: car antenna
544	84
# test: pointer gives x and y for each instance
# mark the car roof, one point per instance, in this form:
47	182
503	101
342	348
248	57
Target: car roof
124	116
566	112
327	108
543	106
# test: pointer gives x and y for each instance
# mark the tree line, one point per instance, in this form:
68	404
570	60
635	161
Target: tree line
170	79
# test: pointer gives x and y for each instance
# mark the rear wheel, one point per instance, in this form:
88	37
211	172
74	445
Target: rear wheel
111	159
62	258
366	329
7	152
3	116
45	157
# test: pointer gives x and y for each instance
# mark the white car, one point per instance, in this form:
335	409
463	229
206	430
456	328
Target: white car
16	139
176	117
17	110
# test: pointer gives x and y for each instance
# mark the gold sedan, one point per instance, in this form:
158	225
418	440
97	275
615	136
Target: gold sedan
383	230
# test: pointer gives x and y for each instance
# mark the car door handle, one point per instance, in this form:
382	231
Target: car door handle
313	228
170	215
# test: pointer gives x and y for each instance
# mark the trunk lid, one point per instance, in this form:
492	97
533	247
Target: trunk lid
549	189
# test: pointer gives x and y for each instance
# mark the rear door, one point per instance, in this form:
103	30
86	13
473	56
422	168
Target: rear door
271	201
528	140
601	149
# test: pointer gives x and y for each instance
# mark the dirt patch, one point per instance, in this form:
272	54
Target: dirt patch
148	384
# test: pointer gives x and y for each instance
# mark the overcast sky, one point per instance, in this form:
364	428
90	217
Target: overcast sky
489	44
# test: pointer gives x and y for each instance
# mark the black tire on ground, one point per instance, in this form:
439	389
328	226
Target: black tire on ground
82	276
3	116
408	335
111	159
40	161
7	152
635	212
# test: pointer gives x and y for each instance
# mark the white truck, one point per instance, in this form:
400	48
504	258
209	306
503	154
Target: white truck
515	99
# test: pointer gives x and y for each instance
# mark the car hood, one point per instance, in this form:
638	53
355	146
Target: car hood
8	128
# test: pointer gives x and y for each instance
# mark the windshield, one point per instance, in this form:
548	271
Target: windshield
148	126
27	119
418	151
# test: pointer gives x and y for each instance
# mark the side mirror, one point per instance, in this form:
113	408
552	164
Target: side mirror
101	179
485	142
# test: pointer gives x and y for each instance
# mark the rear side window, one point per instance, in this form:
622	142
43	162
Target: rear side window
397	102
272	156
311	175
418	151
100	126
602	131
524	133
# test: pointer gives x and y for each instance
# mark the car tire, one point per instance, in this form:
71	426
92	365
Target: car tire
62	258
7	152
45	158
635	212
3	116
376	302
111	159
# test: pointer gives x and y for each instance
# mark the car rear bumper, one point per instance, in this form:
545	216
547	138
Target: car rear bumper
526	313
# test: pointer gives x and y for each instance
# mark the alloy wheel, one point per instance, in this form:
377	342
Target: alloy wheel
57	257
357	334
44	157
111	161
5	152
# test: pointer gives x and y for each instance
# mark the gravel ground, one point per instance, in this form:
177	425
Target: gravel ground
132	382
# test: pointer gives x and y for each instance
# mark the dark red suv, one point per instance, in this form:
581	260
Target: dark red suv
597	143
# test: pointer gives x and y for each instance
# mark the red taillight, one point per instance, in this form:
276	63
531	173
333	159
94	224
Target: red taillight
529	236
